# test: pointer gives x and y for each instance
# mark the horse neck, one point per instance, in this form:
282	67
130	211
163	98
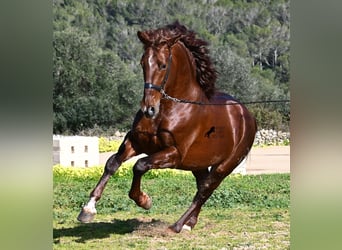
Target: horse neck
184	82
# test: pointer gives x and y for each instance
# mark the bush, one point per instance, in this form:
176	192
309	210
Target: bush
107	145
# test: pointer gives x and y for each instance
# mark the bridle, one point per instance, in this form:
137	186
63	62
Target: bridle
160	88
149	85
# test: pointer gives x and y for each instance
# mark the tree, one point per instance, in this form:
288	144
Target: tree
74	72
234	74
90	84
97	77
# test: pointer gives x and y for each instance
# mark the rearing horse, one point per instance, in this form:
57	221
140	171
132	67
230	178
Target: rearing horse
183	123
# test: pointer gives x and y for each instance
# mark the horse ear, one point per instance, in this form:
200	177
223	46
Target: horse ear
173	40
143	37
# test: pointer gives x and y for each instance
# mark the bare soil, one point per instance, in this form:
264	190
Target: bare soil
269	160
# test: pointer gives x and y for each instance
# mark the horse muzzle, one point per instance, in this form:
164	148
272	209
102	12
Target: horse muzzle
150	111
151	101
150	107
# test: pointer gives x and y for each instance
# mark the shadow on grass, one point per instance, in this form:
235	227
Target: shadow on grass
100	230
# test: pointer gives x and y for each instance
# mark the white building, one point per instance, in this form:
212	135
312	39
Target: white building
76	151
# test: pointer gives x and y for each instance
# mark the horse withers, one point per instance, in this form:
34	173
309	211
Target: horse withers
184	122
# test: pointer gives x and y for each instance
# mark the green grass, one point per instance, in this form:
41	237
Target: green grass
245	212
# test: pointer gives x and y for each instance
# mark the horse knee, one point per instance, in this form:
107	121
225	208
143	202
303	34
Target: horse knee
140	167
111	165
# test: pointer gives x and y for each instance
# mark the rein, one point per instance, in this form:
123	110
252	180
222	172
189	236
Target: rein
160	89
167	97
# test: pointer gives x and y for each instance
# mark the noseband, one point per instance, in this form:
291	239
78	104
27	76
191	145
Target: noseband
160	88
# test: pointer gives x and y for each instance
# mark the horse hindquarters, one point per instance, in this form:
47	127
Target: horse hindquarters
241	134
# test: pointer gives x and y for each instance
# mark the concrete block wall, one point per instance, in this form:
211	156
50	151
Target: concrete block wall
75	151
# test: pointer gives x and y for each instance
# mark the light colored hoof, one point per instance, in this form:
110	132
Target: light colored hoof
148	203
186	228
86	215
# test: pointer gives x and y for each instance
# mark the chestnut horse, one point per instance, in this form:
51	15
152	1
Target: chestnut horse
183	123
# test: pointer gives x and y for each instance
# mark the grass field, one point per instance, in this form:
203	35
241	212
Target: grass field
245	212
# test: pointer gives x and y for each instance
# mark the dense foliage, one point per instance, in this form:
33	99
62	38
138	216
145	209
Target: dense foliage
97	77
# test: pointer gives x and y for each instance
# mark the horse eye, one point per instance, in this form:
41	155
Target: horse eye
163	66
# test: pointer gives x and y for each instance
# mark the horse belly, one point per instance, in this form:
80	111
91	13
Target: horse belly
205	153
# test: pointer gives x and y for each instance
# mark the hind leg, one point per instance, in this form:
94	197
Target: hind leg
125	152
206	185
205	190
200	176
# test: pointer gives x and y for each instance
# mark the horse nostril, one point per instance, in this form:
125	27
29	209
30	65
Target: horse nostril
150	111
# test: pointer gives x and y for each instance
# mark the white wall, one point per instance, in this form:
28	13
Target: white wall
77	151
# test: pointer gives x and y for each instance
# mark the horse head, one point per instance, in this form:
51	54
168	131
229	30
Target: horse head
156	64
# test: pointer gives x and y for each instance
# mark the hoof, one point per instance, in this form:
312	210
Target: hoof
186	228
147	203
85	216
174	229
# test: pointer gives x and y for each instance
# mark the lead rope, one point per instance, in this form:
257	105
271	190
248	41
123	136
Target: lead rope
174	99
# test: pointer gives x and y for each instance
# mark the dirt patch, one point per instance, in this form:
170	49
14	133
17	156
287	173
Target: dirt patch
269	160
148	227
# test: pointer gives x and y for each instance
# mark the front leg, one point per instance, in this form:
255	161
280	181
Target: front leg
125	152
167	158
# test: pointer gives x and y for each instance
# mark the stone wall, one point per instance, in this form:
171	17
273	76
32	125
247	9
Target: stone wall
267	137
263	137
271	137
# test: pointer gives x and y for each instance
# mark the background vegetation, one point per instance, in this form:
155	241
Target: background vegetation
245	212
97	77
